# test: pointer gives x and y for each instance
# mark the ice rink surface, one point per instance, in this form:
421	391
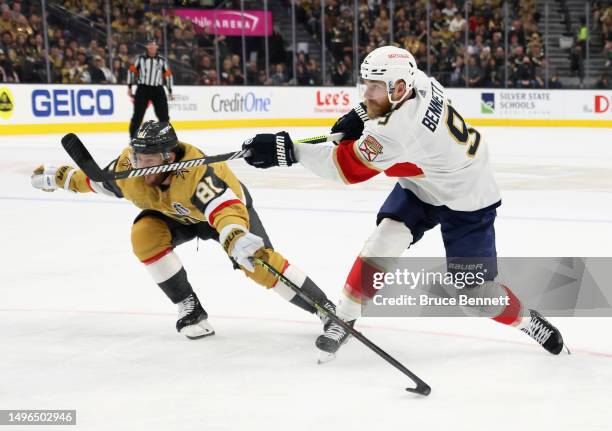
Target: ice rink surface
83	327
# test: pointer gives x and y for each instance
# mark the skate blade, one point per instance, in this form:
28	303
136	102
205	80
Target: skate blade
325	357
200	330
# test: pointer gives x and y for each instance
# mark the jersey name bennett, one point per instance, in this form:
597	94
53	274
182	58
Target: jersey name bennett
434	111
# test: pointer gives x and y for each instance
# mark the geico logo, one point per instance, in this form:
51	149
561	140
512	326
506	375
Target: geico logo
326	99
64	103
602	104
248	102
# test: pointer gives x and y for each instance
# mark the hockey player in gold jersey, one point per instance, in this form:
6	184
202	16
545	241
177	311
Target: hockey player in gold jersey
206	201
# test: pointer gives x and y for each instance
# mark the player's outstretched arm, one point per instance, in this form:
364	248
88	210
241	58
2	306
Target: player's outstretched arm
49	178
342	163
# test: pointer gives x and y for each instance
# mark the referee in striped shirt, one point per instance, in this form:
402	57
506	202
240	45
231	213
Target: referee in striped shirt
149	72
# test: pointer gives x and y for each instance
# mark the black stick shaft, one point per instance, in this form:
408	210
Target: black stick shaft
81	156
421	388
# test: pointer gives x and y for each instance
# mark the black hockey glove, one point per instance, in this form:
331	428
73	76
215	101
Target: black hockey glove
269	150
351	124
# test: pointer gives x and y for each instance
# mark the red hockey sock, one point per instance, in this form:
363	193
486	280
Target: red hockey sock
512	313
359	283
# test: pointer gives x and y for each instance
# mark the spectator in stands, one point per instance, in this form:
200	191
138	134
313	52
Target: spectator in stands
210	78
583	35
603	83
577	62
80	72
315	71
100	74
6	21
491	76
457	24
261	77
524	74
236	69
450	9
278	77
119	72
303	75
252	72
7	72
340	74
226	70
458	73
474	72
205	66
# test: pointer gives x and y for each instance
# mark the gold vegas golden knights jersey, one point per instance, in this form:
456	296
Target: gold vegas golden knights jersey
207	193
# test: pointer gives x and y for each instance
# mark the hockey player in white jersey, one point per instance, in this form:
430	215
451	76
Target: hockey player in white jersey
407	128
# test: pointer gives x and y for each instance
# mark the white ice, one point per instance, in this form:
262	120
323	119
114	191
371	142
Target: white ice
83	327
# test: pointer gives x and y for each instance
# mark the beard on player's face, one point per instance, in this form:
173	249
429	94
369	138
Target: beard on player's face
378	108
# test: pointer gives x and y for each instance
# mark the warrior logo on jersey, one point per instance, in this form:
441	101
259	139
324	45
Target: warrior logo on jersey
179	208
370	148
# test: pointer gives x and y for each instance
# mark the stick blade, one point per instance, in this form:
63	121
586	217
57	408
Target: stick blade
81	156
421	389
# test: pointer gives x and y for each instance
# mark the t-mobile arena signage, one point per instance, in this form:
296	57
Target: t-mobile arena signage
229	22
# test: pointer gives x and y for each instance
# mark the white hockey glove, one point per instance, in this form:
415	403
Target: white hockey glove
48	178
241	245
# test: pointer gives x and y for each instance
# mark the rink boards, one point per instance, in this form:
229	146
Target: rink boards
43	108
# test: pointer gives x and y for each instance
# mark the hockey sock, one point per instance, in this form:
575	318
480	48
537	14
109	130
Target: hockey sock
168	272
512	314
303	282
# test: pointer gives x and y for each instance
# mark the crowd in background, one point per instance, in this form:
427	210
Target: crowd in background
448	52
78	50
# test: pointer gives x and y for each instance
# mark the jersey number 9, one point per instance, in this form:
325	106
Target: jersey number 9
461	132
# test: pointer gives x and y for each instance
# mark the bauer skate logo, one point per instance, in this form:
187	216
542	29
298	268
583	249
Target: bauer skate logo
370	148
180	209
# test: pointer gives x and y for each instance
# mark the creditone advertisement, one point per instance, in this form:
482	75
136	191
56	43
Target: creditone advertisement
229	22
42	108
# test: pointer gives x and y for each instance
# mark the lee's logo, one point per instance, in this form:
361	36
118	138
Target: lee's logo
370	148
332	99
602	104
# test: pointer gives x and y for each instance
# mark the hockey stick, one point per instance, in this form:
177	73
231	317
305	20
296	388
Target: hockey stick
81	156
422	388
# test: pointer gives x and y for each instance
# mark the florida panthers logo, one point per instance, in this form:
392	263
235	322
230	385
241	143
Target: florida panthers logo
180	209
370	148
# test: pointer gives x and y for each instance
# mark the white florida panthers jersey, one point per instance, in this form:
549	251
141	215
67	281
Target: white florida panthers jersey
425	143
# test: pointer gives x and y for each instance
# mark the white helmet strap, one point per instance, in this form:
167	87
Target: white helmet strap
391	89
